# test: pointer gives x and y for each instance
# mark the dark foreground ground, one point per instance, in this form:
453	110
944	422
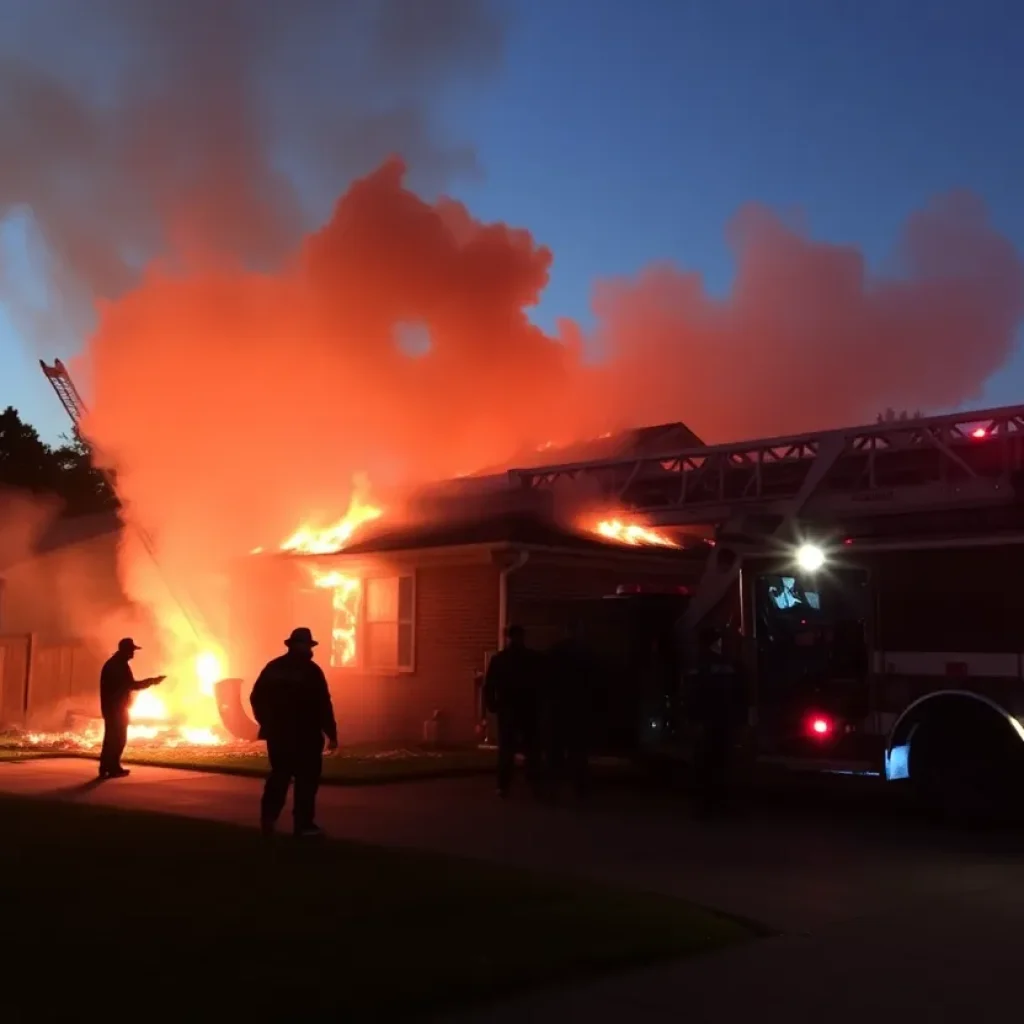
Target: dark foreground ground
883	918
208	921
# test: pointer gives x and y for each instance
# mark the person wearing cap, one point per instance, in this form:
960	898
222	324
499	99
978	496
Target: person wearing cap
292	705
118	686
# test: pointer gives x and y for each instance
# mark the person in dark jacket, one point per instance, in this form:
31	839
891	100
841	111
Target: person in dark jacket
292	706
511	693
118	687
570	699
718	698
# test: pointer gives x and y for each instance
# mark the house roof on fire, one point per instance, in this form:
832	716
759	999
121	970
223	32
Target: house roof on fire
514	528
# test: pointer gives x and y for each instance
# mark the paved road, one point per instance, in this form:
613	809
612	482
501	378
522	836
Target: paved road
880	916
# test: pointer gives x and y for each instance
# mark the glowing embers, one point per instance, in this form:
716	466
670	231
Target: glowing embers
622	531
346	598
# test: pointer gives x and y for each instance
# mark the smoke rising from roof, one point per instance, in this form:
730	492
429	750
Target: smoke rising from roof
263	392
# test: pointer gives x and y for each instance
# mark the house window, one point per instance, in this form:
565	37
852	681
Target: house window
387	626
370	621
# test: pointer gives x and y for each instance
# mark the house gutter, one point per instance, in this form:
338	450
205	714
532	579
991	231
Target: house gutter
522	557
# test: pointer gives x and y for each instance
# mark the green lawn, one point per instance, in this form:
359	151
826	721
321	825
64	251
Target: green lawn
14	754
354	765
198	920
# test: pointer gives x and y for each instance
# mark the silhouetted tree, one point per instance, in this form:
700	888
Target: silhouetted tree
82	485
26	461
29	463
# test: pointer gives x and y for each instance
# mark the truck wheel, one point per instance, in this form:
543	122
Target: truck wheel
952	777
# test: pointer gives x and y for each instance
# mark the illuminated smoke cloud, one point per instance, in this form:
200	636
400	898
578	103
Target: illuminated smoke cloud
284	384
133	128
807	338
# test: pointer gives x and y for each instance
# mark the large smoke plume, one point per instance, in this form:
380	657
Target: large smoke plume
131	127
280	385
807	337
243	379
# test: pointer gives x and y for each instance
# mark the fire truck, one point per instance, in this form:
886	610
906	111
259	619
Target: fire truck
872	574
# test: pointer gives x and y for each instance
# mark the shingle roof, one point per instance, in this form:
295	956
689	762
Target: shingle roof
502	529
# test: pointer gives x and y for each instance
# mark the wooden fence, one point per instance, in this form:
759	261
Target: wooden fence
42	681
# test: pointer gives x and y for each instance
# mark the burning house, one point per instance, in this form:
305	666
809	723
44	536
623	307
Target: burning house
408	600
408	617
408	612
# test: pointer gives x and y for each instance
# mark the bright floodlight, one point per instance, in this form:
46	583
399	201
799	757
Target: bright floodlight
810	557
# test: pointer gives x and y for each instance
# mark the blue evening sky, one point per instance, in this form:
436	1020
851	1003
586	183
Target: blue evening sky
625	131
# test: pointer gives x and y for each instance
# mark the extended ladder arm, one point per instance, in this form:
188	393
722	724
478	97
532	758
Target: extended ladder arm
940	462
70	398
912	465
74	406
64	386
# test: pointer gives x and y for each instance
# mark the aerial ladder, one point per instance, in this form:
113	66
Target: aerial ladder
71	399
758	493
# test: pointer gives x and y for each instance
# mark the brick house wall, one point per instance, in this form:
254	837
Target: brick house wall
456	624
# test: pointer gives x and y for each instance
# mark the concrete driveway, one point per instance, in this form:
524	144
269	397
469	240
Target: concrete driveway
880	916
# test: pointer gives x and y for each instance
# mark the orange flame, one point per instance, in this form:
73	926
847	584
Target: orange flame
147	706
152	720
311	540
347	590
634	534
345	599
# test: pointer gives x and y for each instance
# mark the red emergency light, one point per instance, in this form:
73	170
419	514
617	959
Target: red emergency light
819	726
979	432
